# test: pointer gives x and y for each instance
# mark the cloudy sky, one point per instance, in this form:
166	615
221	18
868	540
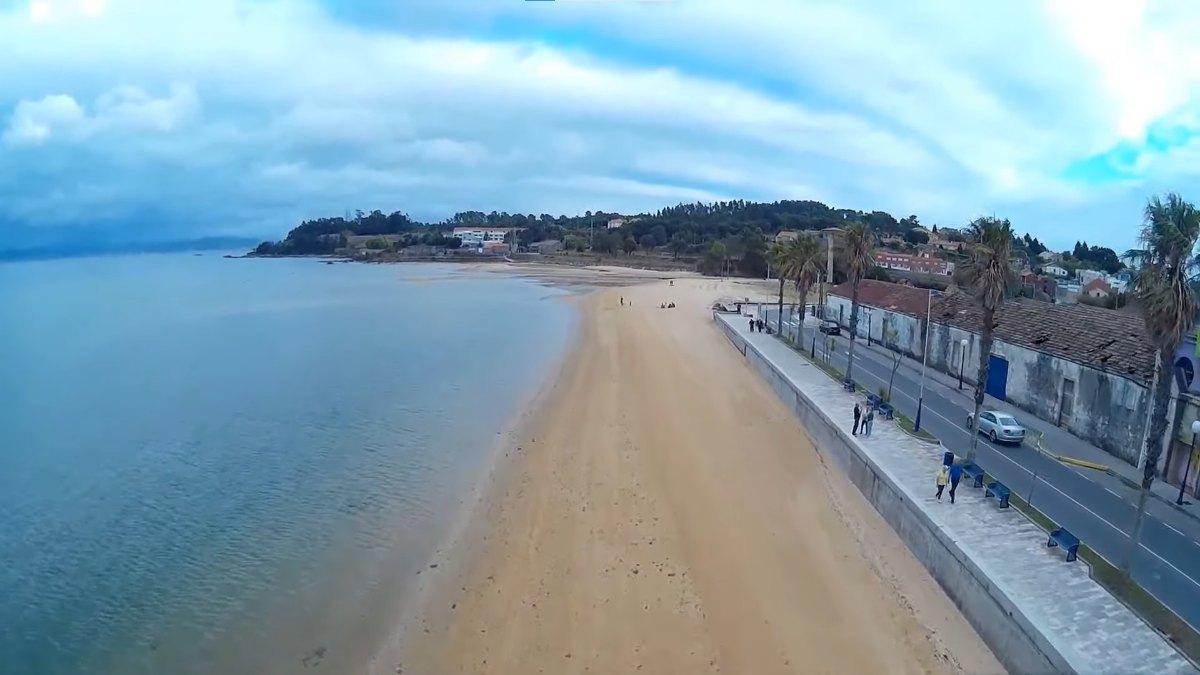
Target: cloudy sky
147	119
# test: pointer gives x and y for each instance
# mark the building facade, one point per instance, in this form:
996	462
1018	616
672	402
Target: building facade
923	262
475	237
1085	369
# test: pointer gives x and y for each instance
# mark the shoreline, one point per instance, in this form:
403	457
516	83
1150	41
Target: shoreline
619	554
466	532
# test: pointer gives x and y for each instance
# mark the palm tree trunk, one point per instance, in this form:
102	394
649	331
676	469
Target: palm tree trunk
803	291
853	328
985	353
779	321
1154	447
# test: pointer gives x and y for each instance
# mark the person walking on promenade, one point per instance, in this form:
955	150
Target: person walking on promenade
956	473
857	417
870	421
751	324
943	477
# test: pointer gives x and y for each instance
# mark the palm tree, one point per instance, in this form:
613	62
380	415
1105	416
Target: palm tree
988	274
859	252
1164	286
803	266
777	254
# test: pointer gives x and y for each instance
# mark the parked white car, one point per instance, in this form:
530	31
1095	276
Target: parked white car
999	427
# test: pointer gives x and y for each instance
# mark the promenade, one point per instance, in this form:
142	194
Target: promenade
1079	624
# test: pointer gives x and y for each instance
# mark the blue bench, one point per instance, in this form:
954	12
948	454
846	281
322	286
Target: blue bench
975	473
998	490
874	400
848	385
1069	542
886	410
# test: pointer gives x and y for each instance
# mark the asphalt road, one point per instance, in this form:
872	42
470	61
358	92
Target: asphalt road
1167	562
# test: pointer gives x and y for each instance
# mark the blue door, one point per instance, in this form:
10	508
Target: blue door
997	382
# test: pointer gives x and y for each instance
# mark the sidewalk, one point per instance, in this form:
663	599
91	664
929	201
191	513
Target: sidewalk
1084	623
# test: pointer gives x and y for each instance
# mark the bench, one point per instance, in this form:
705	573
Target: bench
848	385
975	473
874	400
886	410
998	490
1068	541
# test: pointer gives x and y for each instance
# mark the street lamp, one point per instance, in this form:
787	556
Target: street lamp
1188	467
962	360
924	358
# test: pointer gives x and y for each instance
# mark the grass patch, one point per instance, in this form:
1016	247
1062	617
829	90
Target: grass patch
1137	599
907	425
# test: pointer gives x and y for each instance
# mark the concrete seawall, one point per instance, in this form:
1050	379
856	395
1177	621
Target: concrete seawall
1015	640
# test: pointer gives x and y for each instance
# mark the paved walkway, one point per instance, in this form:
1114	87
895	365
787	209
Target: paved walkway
1094	631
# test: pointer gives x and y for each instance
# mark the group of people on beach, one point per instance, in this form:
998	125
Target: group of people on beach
666	305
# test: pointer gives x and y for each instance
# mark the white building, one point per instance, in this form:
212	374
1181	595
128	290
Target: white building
1088	276
615	223
474	237
1055	270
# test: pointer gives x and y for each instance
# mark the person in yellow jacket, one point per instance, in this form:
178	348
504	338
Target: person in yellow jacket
943	477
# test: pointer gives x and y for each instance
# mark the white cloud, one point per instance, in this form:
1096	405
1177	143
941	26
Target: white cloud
60	117
36	121
927	108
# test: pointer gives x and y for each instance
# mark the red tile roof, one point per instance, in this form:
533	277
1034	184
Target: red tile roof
892	297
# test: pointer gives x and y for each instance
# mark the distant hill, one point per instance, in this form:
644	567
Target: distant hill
77	250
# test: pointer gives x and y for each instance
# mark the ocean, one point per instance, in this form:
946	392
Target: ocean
241	465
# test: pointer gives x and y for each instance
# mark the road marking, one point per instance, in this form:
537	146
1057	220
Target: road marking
1172	528
1050	485
1114	494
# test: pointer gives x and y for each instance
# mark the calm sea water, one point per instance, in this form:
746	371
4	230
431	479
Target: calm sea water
214	465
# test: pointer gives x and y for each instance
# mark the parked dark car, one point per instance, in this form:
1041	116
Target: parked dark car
830	328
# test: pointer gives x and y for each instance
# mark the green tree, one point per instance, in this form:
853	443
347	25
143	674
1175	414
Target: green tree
575	242
916	237
629	245
648	242
678	244
988	274
800	262
859	255
1164	285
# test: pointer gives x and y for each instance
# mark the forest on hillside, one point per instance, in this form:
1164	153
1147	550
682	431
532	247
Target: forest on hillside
721	237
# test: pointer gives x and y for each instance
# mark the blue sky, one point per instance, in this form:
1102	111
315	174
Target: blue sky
138	120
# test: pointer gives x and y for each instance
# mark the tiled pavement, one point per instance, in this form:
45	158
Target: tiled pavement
1092	630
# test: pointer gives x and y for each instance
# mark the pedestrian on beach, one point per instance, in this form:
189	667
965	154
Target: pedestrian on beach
943	477
956	473
870	422
622	301
857	417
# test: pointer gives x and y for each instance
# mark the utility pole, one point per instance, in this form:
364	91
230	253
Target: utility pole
924	360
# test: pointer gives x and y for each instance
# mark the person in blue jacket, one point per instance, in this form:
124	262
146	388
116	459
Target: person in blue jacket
955	476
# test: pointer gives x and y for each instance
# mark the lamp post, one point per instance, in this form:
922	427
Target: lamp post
924	360
962	360
1188	466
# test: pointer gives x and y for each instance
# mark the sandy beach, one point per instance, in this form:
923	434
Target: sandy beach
660	511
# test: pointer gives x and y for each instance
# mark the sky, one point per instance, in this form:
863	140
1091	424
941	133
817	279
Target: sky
140	120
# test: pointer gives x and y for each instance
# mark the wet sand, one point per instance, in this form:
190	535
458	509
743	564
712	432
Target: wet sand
659	510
